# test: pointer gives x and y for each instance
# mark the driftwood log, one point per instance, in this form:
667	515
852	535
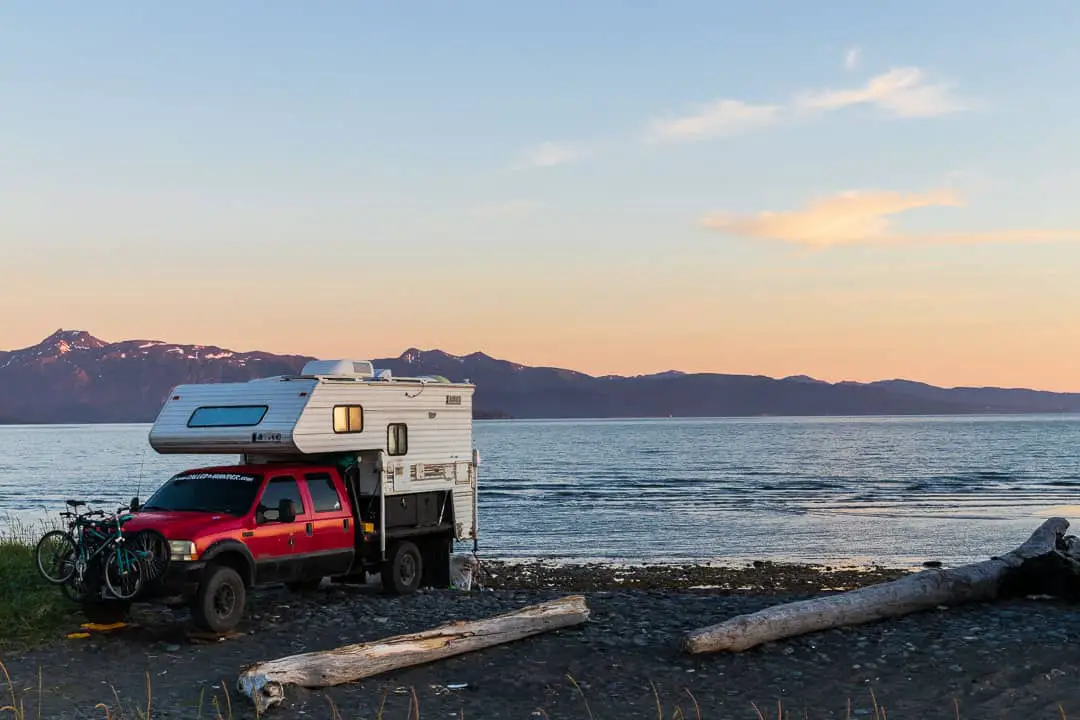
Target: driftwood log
264	682
1048	562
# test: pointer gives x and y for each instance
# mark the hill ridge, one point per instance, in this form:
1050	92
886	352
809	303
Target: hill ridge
74	377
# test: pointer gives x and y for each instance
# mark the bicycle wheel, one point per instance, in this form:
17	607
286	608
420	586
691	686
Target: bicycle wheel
153	551
123	573
77	587
54	554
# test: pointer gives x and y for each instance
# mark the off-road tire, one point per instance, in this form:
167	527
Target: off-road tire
106	612
403	569
218	604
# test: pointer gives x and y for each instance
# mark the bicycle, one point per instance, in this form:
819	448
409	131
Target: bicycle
93	550
59	546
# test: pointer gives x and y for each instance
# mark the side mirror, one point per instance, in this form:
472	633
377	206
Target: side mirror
134	507
286	510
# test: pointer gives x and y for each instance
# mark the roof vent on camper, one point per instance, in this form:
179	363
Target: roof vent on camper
339	368
383	374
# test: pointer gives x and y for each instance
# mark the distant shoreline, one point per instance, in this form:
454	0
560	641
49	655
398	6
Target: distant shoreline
623	418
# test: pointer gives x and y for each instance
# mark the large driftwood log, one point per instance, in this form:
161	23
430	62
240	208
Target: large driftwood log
1046	562
264	683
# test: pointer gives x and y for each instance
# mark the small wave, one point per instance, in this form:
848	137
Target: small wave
801	485
953	488
993	475
906	514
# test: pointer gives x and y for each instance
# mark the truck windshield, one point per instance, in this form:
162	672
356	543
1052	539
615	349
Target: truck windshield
217	492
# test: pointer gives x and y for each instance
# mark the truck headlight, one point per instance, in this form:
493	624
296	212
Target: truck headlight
182	550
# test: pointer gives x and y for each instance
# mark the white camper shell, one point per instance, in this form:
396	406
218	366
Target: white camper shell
407	435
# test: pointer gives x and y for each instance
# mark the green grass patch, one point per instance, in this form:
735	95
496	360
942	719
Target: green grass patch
31	610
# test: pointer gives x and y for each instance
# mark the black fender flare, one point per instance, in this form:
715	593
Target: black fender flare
232	546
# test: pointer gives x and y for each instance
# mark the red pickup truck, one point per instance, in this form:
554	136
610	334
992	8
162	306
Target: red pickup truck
237	527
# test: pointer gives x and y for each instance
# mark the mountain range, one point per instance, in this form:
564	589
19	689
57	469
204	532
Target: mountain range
73	377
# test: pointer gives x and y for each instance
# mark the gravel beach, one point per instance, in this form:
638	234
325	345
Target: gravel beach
1013	659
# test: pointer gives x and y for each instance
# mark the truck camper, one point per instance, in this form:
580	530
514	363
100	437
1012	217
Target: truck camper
343	470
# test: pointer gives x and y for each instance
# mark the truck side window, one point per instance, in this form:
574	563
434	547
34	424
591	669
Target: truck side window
397	439
279	488
324	496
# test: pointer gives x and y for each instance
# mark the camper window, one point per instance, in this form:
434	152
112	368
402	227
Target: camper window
234	416
397	439
324	496
283	487
348	418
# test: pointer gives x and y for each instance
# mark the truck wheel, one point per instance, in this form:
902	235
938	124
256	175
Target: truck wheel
402	571
219	601
106	612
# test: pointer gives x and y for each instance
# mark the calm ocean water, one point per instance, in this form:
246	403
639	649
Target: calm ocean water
837	490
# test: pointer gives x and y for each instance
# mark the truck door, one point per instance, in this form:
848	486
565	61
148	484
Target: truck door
330	534
274	543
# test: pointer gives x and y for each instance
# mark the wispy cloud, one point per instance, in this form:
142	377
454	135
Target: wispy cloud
902	91
851	58
864	218
716	119
550	154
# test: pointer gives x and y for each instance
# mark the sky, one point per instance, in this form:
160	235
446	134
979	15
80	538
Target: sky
848	191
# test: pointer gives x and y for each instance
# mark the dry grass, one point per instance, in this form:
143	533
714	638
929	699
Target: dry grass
222	708
23	533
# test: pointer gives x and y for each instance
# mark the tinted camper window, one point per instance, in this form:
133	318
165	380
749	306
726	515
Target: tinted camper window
233	416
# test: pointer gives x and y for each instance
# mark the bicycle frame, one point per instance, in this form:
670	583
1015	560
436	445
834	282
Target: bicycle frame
100	542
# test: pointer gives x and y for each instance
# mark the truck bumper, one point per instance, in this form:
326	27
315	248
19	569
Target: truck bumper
181	578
